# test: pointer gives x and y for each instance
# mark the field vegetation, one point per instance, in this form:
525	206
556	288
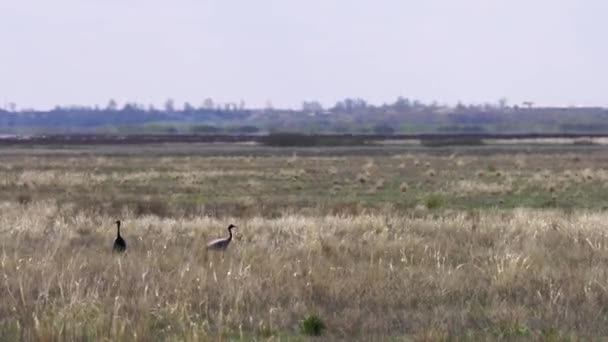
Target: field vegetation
416	244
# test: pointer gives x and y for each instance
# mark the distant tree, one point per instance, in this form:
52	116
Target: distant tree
312	107
339	106
402	103
349	105
208	104
242	105
112	105
502	103
188	107
268	106
169	106
130	107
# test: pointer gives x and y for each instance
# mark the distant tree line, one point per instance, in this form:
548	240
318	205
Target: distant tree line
350	115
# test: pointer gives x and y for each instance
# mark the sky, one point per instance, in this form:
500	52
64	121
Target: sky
85	52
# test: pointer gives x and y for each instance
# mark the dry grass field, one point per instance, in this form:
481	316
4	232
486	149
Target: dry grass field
408	245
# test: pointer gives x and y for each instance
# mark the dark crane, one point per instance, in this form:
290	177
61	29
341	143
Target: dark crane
120	245
222	244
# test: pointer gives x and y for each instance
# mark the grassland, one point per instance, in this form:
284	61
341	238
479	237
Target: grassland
381	244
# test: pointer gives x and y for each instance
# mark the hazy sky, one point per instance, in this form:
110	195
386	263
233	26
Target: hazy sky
552	52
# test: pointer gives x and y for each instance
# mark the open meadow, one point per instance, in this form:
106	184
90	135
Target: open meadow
375	243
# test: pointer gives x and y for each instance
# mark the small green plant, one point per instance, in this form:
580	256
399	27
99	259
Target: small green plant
553	335
512	331
10	330
433	202
265	330
312	326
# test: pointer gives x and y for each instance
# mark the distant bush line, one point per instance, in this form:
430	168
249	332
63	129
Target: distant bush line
289	139
584	127
296	139
463	141
303	140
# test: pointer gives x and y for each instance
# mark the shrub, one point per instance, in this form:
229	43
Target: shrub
24	199
433	202
151	207
312	326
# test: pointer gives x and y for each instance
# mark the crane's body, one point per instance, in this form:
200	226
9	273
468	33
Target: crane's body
120	245
221	244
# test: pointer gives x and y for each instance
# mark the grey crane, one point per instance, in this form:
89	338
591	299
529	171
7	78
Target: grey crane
221	244
120	245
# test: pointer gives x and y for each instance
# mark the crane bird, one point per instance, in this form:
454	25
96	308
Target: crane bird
120	245
222	244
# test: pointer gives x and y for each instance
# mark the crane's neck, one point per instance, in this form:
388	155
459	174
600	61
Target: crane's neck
229	234
118	229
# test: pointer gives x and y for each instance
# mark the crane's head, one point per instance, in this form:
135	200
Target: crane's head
117	222
231	226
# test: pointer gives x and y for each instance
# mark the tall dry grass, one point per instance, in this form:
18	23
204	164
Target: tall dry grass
482	275
376	247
